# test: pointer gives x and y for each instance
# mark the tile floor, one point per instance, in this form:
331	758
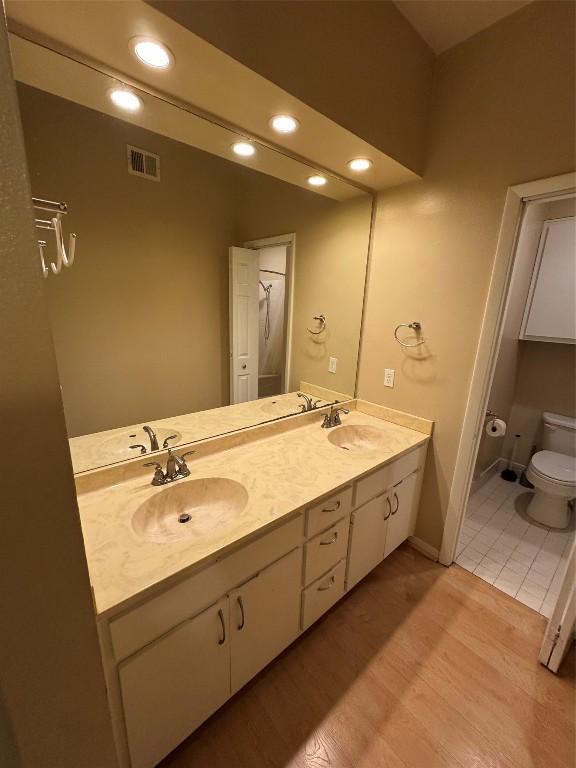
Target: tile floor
500	544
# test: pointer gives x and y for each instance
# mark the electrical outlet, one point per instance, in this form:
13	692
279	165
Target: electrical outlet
389	377
332	363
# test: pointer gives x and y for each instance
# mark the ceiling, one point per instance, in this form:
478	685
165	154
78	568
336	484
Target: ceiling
445	23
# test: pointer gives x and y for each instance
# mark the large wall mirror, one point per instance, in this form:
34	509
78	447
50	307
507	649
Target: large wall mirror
208	291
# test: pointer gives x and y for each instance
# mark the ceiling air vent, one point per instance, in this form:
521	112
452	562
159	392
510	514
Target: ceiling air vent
143	163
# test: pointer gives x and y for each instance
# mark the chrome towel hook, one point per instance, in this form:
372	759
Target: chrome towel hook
416	327
321	319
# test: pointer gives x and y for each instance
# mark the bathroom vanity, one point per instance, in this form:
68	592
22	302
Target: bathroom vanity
282	520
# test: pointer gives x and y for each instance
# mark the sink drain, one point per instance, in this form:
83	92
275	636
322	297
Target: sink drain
184	517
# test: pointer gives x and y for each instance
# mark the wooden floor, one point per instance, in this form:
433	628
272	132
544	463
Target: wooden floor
419	666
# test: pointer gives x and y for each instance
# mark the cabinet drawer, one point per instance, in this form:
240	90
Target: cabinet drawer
322	515
325	550
157	615
322	594
383	478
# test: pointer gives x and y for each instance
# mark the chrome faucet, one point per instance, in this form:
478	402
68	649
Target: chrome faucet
176	468
153	439
308	404
333	419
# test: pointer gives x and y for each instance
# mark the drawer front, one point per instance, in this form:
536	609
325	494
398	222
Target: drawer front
385	477
148	621
325	550
326	512
322	594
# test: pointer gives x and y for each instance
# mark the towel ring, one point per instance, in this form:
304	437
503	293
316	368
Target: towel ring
322	320
415	326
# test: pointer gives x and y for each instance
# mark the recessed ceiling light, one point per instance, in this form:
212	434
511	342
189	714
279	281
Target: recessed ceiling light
243	148
359	164
125	99
152	53
284	123
317	181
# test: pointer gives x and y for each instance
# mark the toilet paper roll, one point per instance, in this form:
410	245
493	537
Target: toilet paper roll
495	428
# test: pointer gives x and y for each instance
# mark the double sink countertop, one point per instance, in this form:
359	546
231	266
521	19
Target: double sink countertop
283	467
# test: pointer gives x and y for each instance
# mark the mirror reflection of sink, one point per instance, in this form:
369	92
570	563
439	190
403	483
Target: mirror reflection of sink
119	445
357	437
189	509
282	407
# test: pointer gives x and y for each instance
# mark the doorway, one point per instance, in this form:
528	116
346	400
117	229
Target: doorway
488	529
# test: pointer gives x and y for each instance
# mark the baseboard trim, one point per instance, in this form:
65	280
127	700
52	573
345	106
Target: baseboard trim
424	548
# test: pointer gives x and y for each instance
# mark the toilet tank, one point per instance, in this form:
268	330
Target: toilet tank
559	433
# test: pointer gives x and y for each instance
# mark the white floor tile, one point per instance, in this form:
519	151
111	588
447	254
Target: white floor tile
528	599
501	546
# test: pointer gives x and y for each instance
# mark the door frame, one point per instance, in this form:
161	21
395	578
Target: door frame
517	197
289	240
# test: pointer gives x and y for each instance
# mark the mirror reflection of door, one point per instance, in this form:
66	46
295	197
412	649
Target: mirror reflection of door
272	257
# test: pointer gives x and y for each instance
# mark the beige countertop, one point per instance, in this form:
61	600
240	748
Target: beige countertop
100	449
282	473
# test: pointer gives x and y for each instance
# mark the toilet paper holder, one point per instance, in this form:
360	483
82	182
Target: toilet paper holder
490	415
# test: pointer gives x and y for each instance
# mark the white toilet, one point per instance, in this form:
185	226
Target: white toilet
552	472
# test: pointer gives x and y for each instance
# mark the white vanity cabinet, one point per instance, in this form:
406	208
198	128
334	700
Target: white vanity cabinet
265	617
172	685
171	660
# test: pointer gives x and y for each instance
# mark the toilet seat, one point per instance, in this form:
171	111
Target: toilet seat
556	467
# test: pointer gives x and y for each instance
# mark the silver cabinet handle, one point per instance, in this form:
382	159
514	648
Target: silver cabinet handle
332	540
241	606
389	508
397	503
329	585
334	509
221	617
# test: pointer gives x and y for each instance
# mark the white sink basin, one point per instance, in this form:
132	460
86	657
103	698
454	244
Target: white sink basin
189	509
357	438
119	445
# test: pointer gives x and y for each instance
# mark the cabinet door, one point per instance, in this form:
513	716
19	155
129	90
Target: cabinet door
367	537
264	617
175	683
551	308
402	517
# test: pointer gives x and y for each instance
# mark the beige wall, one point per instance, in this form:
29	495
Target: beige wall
140	322
330	270
359	63
53	708
505	383
503	113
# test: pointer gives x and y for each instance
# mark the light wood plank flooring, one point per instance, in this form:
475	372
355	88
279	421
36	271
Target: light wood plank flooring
420	666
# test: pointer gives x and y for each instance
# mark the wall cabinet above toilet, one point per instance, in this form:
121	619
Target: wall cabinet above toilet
550	313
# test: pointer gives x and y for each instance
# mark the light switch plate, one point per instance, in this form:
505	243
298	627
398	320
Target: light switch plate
332	363
389	377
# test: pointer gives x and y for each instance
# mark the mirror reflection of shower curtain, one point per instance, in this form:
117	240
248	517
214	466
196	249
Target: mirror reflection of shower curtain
271	349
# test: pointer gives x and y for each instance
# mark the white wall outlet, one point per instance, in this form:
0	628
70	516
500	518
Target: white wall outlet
332	363
389	377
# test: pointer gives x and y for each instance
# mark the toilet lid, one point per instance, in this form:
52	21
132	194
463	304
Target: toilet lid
557	466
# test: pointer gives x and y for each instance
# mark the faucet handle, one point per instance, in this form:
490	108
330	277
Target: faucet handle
142	448
159	476
170	437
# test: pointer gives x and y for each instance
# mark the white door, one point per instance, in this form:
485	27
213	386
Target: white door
401	522
244	275
264	617
560	630
174	684
367	537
